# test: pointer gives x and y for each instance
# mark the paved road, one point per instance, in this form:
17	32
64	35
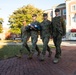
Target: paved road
23	66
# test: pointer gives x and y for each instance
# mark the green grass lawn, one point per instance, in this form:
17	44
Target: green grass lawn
9	51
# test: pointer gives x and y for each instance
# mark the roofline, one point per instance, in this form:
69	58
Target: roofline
59	6
47	9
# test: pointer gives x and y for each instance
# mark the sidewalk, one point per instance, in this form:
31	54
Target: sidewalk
23	66
64	43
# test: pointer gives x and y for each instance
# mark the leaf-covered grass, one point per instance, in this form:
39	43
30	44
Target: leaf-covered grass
9	51
8	41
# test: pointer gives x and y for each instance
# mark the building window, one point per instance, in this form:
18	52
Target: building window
74	18
73	35
59	13
51	14
73	7
65	21
64	11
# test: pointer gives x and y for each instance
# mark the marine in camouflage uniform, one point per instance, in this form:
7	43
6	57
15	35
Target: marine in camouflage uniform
25	35
45	36
58	31
34	35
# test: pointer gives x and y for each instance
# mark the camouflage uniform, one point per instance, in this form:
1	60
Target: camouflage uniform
45	35
25	35
34	37
58	31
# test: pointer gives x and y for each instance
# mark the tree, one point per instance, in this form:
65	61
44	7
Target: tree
1	22
23	13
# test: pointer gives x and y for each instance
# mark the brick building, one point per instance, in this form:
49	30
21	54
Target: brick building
50	13
62	8
71	19
68	12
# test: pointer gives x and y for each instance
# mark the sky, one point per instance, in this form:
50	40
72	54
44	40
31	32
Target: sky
7	7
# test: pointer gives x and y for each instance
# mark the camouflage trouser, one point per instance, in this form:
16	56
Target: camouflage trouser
24	43
34	45
57	42
45	45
